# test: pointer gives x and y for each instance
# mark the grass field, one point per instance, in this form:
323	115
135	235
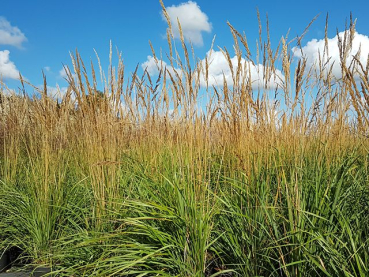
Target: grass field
141	179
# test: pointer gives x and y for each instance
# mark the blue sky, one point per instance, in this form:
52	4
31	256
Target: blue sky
38	35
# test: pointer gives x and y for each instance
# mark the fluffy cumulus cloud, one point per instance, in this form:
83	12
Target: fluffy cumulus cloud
219	69
193	21
152	67
314	49
57	92
63	73
8	69
10	35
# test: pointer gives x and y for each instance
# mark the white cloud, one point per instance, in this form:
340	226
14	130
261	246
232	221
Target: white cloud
57	92
10	35
153	68
47	68
63	73
314	50
193	21
8	69
219	70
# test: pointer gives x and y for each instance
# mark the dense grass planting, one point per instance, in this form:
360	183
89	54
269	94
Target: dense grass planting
140	178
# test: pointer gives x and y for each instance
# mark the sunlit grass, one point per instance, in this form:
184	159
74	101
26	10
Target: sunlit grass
138	181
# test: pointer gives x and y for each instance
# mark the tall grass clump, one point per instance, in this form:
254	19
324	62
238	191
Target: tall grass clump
135	176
